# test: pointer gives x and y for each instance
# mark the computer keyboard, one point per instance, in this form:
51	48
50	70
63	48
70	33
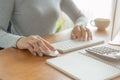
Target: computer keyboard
104	51
71	45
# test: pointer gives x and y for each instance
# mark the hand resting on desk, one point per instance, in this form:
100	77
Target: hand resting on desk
36	45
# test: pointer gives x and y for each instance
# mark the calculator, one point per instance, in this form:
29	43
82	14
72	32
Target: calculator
104	51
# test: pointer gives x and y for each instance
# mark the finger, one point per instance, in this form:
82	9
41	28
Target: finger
43	45
30	48
83	31
37	49
48	45
73	33
83	36
89	34
35	46
73	36
77	32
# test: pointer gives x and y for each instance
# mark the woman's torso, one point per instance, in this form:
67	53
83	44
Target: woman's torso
35	17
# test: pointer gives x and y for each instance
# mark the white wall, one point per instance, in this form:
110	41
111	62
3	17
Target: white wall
95	8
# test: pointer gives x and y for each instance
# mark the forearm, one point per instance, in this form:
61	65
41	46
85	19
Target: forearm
73	12
8	40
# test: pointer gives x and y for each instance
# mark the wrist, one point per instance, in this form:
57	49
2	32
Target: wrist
19	41
81	24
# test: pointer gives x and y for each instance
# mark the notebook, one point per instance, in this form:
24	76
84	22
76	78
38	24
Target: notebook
82	67
72	45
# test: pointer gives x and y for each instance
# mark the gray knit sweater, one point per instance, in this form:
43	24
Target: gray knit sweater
33	17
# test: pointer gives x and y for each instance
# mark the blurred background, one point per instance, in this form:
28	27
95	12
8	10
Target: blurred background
91	8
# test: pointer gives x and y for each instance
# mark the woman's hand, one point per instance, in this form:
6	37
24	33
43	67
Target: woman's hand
35	44
81	33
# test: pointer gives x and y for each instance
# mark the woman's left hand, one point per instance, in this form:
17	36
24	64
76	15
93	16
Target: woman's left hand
82	33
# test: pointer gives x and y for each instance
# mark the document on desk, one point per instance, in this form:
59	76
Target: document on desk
116	40
82	67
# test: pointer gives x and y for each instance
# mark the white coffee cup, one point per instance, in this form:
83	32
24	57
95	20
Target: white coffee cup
100	23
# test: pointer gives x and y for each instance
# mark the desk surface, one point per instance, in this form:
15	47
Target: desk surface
18	64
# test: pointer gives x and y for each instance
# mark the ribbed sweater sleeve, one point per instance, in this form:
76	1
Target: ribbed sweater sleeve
8	40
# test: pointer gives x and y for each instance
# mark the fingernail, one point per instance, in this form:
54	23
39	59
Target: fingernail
41	54
34	54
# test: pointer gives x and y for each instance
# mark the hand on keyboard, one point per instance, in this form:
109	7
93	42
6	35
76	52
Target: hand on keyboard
81	32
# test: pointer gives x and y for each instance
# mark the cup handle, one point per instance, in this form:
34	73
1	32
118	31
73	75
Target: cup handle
92	22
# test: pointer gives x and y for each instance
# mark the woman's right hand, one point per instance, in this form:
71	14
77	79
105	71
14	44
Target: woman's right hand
35	44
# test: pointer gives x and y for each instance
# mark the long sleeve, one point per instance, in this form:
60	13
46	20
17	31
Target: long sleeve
6	39
73	12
